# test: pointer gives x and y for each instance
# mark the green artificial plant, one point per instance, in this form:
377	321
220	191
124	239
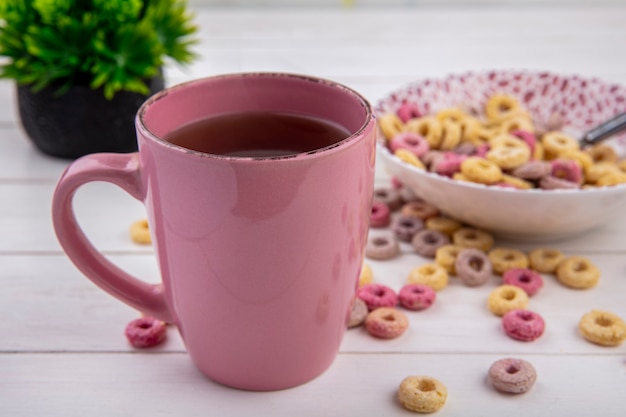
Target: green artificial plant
110	44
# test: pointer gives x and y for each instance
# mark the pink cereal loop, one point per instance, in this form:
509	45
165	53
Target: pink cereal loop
525	278
449	165
416	297
568	170
386	323
412	142
145	332
408	111
527	137
380	214
377	295
523	325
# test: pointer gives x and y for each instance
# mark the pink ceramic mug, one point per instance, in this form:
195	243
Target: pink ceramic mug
259	258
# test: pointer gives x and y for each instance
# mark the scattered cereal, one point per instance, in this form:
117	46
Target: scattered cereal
145	332
545	260
442	224
514	376
422	394
366	275
527	279
386	323
432	275
377	295
468	237
358	313
426	242
140	232
446	257
389	196
416	296
524	325
503	259
473	267
506	298
405	227
578	272
382	247
380	215
602	328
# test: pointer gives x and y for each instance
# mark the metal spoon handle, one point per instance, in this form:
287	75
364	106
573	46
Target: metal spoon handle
604	130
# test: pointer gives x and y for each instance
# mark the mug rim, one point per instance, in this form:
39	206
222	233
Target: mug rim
369	116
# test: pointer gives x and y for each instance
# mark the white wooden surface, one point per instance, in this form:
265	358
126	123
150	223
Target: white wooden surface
62	349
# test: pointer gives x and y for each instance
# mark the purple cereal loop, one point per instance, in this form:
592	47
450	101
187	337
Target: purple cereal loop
482	150
389	196
514	376
408	111
426	242
405	227
532	170
377	295
416	297
358	313
382	247
380	215
550	182
473	267
523	325
466	149
568	170
412	142
525	278
431	156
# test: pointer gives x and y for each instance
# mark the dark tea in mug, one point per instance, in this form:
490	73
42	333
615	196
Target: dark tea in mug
258	134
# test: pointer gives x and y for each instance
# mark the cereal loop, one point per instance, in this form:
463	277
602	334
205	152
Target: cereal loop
523	325
473	267
445	225
366	275
468	237
390	196
545	260
611	179
419	209
416	297
422	394
509	157
409	158
599	170
578	272
503	259
446	257
408	111
567	169
451	114
426	242
556	142
428	127
140	232
513	376
386	323
145	332
527	279
377	295
500	106
602	328
602	153
506	298
432	275
358	313
405	227
450	135
390	125
480	170
380	215
382	247
411	142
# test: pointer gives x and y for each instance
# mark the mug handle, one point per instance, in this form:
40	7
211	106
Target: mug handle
122	170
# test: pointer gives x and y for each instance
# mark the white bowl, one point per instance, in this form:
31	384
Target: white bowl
516	214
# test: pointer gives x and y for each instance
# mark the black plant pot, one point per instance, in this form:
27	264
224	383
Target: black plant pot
81	121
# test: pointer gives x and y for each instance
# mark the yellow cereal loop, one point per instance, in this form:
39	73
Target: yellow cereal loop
615	178
500	106
450	135
429	127
480	170
599	170
422	394
538	153
468	237
602	153
518	122
460	177
390	124
578	272
140	232
508	157
503	259
410	158
433	275
545	260
508	141
622	165
446	257
554	143
445	225
516	182
451	114
602	328
506	298
471	131
367	276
